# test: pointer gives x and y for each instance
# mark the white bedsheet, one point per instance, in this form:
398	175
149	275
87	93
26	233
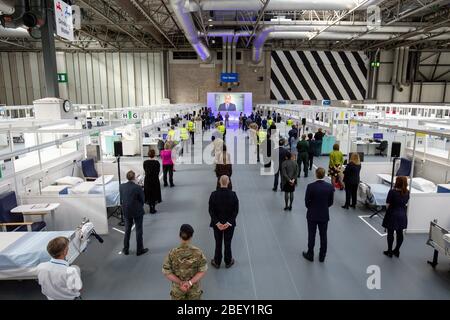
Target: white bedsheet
83	188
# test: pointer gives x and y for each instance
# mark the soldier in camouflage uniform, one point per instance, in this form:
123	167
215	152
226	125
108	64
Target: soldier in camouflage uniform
185	265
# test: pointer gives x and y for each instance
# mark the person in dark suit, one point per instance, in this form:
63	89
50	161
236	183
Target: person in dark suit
282	154
351	180
132	199
227	105
395	218
318	198
223	209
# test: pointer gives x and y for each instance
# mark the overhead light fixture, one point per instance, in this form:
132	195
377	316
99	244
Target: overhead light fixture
210	25
210	20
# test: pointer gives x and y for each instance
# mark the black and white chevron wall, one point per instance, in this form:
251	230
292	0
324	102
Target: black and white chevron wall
318	75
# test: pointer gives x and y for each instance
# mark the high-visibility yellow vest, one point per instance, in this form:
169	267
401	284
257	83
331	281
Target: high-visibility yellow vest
171	134
184	135
221	129
191	126
262	136
269	122
290	122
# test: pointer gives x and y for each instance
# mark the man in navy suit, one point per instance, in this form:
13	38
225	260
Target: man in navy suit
132	199
318	198
227	105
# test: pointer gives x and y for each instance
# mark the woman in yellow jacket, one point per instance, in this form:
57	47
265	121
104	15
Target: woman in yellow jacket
335	167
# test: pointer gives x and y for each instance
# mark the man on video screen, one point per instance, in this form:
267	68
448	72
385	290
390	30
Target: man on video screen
227	105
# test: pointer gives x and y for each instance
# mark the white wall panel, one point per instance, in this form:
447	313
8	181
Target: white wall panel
35	76
144	80
61	67
90	78
103	79
112	79
151	75
96	78
22	85
158	77
138	78
117	80
7	79
124	79
131	87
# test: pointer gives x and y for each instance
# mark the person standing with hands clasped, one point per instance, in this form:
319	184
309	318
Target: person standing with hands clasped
185	266
289	173
318	198
132	198
395	218
223	209
351	181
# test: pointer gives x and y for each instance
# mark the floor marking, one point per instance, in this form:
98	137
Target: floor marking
280	249
248	252
123	232
381	234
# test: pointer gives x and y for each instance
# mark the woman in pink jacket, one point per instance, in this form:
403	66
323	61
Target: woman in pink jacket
167	162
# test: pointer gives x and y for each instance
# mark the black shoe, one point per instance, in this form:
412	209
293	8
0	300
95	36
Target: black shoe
306	176
322	259
172	185
125	252
214	264
396	253
140	253
290	208
274	189
354	207
165	184
307	256
388	253
286	208
153	211
344	207
230	264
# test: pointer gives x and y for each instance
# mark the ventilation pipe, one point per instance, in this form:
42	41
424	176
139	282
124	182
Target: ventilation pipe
15	19
7	7
186	23
297	32
405	67
276	5
395	67
400	67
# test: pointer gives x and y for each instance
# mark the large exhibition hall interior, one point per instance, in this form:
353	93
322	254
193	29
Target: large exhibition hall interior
224	149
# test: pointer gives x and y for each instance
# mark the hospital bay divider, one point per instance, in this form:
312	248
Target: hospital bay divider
28	183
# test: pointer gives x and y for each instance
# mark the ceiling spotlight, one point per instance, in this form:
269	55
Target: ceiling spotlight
210	20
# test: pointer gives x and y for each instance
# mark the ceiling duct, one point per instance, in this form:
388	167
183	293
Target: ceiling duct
275	5
186	23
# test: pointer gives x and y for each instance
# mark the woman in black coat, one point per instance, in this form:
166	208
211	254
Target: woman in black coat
395	218
351	180
152	187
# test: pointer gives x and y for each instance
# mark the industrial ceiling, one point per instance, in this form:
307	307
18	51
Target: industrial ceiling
147	25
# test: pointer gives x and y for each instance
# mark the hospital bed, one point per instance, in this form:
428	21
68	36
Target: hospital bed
22	252
112	194
439	240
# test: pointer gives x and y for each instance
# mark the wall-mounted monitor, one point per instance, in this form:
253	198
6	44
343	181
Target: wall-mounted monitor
378	136
234	103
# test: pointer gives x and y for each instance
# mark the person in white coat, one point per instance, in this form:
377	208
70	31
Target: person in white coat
57	279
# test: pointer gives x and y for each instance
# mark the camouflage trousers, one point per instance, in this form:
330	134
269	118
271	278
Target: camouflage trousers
195	293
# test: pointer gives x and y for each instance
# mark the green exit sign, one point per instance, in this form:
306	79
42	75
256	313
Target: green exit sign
375	64
62	77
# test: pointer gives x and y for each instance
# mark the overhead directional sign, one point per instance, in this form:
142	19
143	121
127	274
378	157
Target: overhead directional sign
229	77
64	20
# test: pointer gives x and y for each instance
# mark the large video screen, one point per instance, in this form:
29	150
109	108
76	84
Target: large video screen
233	103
